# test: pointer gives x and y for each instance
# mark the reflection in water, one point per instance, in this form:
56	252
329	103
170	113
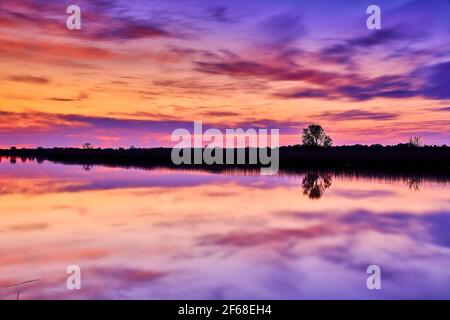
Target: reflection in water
414	183
166	234
315	183
87	167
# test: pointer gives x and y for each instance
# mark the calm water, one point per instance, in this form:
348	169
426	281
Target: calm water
163	234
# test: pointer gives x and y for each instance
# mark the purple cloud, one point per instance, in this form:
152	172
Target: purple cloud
436	80
73	130
344	52
132	30
304	93
432	82
356	114
29	79
282	29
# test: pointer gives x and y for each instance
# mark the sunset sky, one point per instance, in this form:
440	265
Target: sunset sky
137	70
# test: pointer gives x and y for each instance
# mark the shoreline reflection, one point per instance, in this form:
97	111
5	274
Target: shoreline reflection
192	234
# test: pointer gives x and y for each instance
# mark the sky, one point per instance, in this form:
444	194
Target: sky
137	70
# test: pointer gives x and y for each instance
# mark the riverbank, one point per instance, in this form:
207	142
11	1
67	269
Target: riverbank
290	158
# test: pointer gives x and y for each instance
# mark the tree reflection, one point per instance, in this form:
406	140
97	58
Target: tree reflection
314	184
87	167
414	184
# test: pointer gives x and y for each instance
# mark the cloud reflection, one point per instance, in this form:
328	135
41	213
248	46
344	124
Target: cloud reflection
165	234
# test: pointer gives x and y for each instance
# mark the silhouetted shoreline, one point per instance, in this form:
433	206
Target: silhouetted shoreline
395	158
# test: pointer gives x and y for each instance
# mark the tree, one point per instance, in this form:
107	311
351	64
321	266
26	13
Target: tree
314	135
87	145
315	183
415	142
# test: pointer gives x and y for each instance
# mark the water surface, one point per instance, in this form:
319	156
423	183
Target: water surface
179	234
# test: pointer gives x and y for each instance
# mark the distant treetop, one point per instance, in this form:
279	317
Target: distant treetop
314	135
88	145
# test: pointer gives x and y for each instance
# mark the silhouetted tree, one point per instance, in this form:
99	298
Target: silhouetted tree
315	183
88	145
314	135
87	167
414	184
415	142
